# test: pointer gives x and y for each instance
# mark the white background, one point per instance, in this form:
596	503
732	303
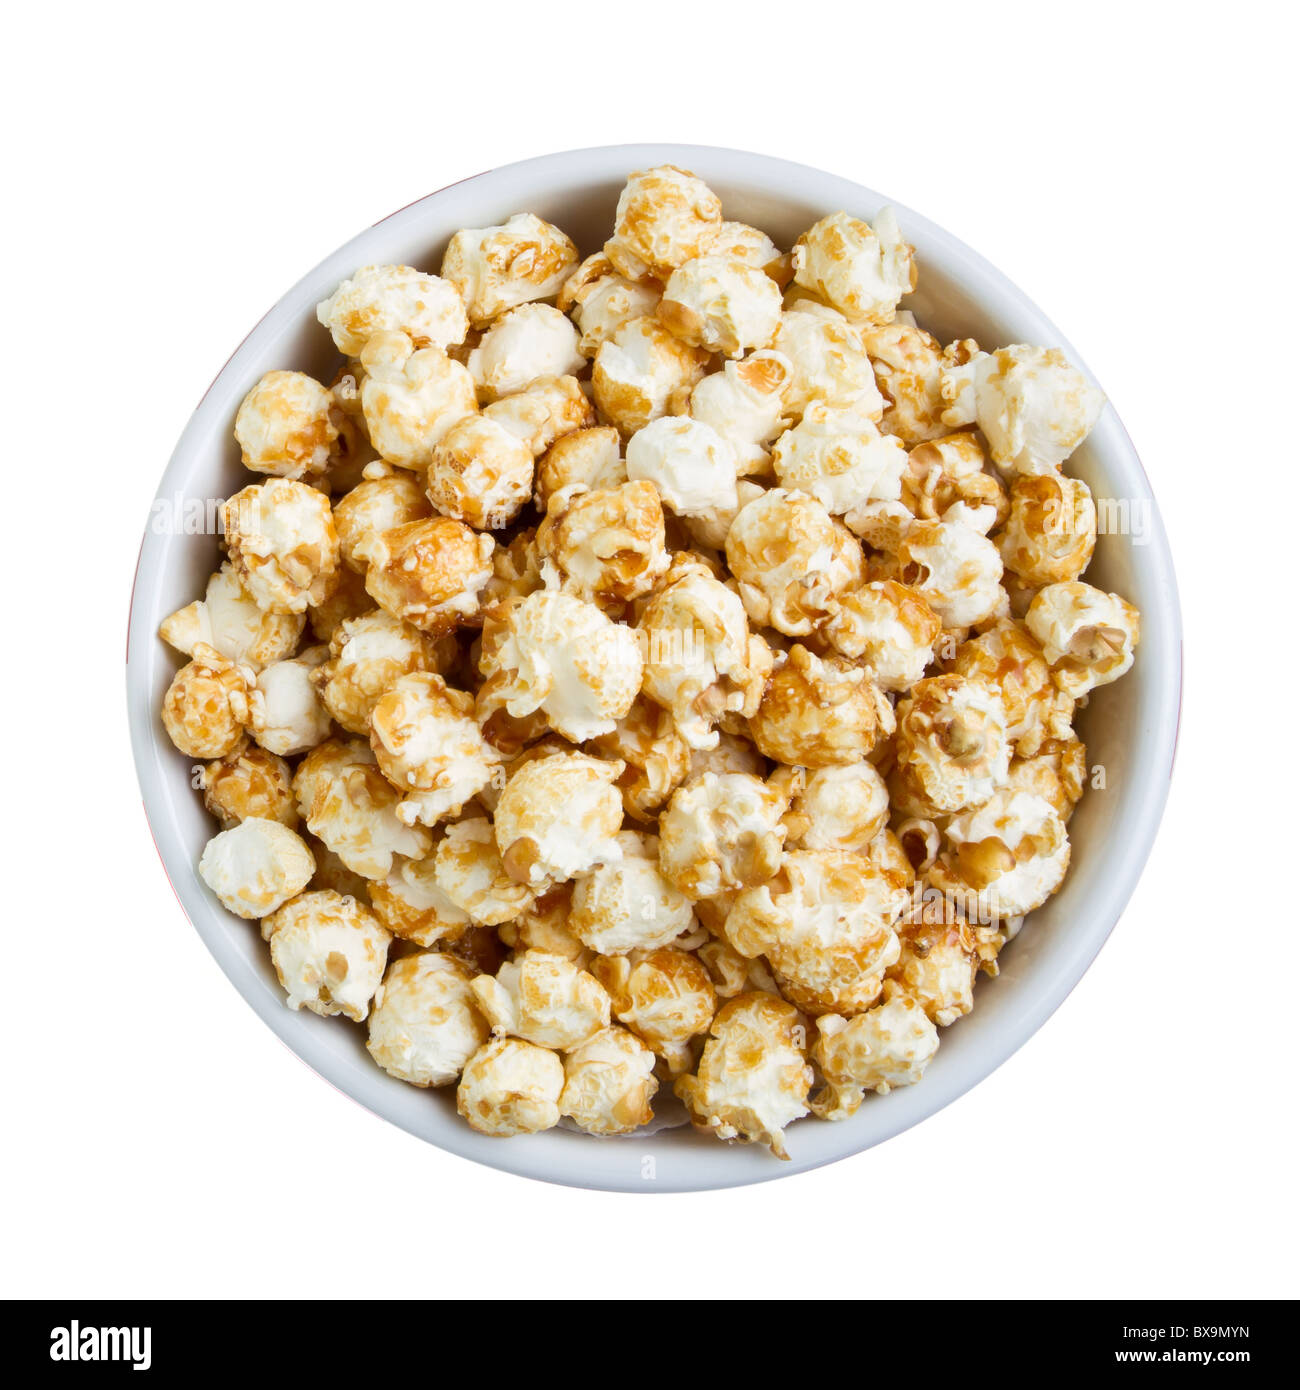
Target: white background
172	171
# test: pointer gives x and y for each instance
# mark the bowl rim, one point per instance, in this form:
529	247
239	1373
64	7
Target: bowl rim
1162	649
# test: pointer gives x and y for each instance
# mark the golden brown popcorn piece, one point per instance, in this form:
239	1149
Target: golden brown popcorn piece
249	782
411	397
228	619
655	759
425	1025
601	301
282	543
942	472
608	1083
827	362
1010	661
841	807
386	497
629	905
1088	636
938	960
889	1046
286	426
721	304
1051	531
665	997
863	269
412	904
469	870
543	999
950	746
511	1087
384	298
721	833
550	408
640	371
329	954
605	546
665	217
255	866
1056	772
429	573
590	456
480	473
496	268
890	628
367	657
205	710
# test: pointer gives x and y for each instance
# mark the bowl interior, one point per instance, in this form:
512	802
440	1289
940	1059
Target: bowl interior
1129	727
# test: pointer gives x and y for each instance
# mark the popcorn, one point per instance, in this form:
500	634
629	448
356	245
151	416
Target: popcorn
752	1079
205	709
228	619
942	472
329	954
543	999
352	809
840	808
701	662
511	1087
496	268
955	569
820	711
890	1046
588	456
908	364
1034	408
412	904
840	458
534	340
255	866
654	756
640	371
604	546
629	905
824	923
827	362
286	426
1011	662
1003	858
550	408
425	1025
285	714
393	298
481	473
740	242
427	744
721	304
745	404
1051	531
367	657
691	465
249	782
792	561
608	1083
863	271
601	301
721	833
665	997
429	573
937	963
411	397
951	749
665	217
282	543
557	818
468	869
1087	636
385	498
558	654
890	628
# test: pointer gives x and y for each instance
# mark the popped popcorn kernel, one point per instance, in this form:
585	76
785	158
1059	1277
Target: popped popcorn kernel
228	619
692	467
745	404
511	1087
249	782
601	301
827	362
890	628
411	397
655	757
205	710
543	999
534	340
393	298
629	905
840	458
286	426
429	573
255	866
1087	636
605	546
665	217
425	1025
497	268
544	412
887	1047
1051	530
412	904
386	497
721	304
1010	661
589	456
951	748
721	833
609	1083
329	954
842	807
282	543
469	870
480	473
640	371
368	655
956	570
664	996
861	269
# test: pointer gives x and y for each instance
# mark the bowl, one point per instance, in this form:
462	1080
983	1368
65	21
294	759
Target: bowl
1130	727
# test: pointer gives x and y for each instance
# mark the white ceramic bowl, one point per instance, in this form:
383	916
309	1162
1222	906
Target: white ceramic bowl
1130	727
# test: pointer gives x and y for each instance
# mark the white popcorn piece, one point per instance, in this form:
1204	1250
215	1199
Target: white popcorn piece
511	1087
367	657
469	871
745	404
665	217
839	457
641	371
481	473
601	301
560	655
550	408
1003	858
588	456
629	905
532	341
557	818
605	546
429	573
701	661
411	397
842	807
386	497
497	268
753	1078
827	362
608	1083
951	749
249	782
205	710
412	904
286	426
909	365
954	568
721	833
890	628
824	924
944	472
286	715
227	618
425	1025
691	465
282	543
889	1046
938	961
721	304
1007	658
329	953
427	744
256	866
1051	530
543	999
393	298
1088	636
666	997
861	269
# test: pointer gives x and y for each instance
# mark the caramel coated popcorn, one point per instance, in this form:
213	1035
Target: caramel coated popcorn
676	651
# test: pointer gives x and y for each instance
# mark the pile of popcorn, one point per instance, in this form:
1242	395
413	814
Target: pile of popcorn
648	672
